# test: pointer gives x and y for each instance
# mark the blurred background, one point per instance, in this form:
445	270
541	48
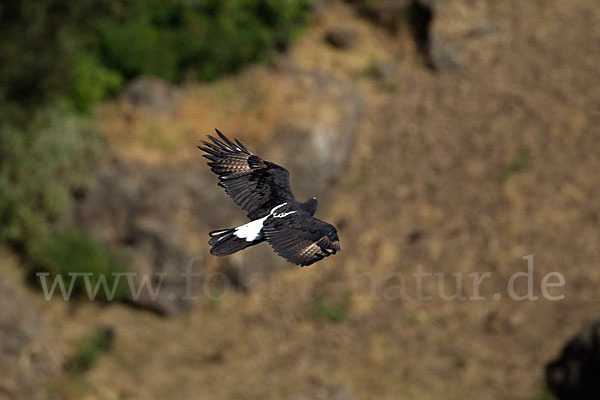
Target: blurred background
447	136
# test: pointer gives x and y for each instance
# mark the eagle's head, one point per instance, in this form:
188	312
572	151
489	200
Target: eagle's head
310	206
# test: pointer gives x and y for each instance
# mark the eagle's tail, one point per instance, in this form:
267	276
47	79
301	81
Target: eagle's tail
224	242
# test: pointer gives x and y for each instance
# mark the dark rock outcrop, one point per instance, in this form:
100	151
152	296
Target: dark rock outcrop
388	13
314	144
451	32
149	94
340	38
445	31
158	216
574	375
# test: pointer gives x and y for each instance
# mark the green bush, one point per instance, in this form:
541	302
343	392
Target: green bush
83	50
519	163
333	311
71	251
39	43
92	82
89	349
545	395
205	38
42	163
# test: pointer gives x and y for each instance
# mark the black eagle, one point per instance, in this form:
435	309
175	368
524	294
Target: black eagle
263	189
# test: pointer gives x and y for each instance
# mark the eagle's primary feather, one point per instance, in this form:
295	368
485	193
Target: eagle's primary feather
254	184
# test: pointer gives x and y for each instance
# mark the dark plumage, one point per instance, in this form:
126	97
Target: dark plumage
262	188
300	238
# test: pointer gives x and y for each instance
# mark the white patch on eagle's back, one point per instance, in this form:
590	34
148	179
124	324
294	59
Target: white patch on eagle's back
276	208
281	215
251	230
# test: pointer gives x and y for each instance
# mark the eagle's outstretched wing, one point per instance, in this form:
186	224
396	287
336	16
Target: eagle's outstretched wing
301	238
253	183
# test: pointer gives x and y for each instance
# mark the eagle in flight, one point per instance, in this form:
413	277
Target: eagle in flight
262	188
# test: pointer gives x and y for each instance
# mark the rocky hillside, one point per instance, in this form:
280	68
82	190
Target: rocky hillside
441	137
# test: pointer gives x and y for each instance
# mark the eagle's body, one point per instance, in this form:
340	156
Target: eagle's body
262	188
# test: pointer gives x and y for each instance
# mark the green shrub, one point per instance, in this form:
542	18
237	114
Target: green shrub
519	163
71	251
333	311
39	40
92	82
545	395
89	349
83	50
206	38
41	163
